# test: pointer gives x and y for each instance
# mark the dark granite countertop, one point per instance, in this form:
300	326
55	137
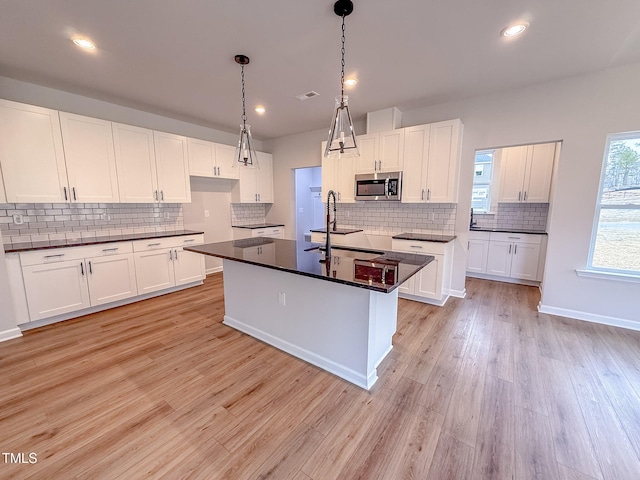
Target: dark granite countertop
338	231
259	225
378	270
506	230
80	242
425	237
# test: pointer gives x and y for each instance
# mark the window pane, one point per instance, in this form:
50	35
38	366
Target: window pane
481	195
617	244
621	183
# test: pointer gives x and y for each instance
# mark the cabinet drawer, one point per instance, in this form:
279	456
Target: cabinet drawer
473	235
167	242
516	237
50	255
185	241
413	246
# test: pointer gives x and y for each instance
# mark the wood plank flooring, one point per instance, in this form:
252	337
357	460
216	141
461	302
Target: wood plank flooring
482	388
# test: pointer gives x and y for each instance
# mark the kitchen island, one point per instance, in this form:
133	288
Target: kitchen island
339	315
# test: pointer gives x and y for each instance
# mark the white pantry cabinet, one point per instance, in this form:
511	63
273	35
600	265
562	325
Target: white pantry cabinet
90	159
338	174
433	283
380	152
162	263
31	154
514	255
477	252
431	162
525	173
256	183
172	167
65	280
209	159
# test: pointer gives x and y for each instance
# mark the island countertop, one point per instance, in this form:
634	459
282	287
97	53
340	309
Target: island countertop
377	270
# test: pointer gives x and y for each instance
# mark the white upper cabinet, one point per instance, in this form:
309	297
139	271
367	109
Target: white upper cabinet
135	163
90	159
256	183
209	159
525	173
380	152
431	162
31	154
338	174
172	167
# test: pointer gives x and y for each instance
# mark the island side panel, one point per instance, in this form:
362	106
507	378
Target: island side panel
383	321
322	322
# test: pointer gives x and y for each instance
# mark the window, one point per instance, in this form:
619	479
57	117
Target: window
481	194
615	246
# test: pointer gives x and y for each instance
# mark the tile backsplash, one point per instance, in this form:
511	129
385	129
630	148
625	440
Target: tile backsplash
516	216
396	217
248	214
57	221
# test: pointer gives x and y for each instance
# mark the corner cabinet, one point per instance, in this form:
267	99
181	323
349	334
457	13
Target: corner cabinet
338	174
255	184
431	163
31	154
525	173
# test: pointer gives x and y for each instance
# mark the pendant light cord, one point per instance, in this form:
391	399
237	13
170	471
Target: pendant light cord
342	73
244	112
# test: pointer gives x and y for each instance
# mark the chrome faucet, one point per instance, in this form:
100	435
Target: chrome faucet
327	250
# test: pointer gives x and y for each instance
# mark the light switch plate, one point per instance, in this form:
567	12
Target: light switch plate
17	219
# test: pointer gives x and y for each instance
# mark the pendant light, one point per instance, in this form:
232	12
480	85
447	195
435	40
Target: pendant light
245	152
342	137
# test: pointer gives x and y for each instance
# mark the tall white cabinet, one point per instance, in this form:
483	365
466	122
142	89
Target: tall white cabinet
31	154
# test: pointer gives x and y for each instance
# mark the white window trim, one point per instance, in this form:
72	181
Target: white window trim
594	272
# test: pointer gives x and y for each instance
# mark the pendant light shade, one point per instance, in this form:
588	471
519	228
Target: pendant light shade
245	152
342	137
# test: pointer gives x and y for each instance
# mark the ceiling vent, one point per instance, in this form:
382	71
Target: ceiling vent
307	96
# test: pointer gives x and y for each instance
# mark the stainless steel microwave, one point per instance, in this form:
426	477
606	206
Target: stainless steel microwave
379	186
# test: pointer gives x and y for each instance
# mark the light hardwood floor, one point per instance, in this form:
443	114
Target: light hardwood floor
482	388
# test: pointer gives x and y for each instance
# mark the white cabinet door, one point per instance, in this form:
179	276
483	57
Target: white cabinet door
499	258
444	157
111	278
55	288
477	255
172	168
135	163
226	162
513	163
524	263
154	270
429	279
329	173
537	178
90	159
391	153
188	266
338	174
31	154
416	158
368	147
247	185
408	287
264	178
202	160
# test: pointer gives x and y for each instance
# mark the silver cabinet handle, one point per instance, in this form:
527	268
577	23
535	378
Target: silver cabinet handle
515	249
190	240
90	269
509	248
152	244
155	194
73	189
171	255
110	249
259	199
525	196
428	194
176	252
519	195
416	246
218	171
54	256
422	196
82	269
162	195
514	238
65	193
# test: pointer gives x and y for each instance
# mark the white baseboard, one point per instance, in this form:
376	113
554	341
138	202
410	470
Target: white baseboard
213	270
589	317
9	334
498	278
306	355
458	293
430	301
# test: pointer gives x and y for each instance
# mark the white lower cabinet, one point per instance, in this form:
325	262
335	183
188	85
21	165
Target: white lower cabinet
162	263
517	256
270	232
433	283
66	280
61	281
354	239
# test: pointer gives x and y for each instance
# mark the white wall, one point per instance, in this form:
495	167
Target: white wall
580	111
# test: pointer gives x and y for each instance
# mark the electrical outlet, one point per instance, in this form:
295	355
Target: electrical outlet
17	219
206	214
166	215
105	216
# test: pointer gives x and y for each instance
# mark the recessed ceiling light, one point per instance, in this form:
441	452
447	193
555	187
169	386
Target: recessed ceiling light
350	82
260	109
514	30
84	43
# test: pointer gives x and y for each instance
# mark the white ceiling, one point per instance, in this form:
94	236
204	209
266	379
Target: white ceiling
175	58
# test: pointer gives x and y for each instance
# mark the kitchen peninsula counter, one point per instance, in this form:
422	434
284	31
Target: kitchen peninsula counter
339	316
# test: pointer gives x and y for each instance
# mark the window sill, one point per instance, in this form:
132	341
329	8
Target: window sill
620	277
